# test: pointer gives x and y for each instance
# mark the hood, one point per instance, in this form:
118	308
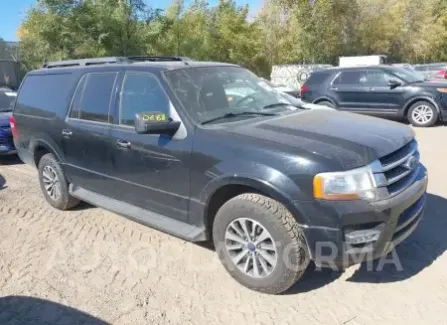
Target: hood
351	140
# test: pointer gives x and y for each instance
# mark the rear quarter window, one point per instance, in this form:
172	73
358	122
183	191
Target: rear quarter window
45	95
317	78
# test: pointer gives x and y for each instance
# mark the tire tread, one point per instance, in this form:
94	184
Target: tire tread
296	236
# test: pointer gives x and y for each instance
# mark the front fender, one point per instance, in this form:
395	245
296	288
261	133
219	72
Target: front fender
260	177
413	100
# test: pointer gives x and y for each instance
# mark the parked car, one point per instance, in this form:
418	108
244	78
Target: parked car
294	92
411	68
238	90
7	97
272	187
294	75
431	71
383	91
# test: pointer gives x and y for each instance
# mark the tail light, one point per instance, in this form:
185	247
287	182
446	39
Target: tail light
442	73
12	123
303	90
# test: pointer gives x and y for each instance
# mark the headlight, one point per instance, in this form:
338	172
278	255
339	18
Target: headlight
355	184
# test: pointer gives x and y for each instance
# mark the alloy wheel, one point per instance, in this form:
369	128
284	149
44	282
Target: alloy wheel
422	114
51	182
251	247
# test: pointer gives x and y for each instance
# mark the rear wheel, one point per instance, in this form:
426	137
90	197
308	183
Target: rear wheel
260	243
326	103
422	114
53	183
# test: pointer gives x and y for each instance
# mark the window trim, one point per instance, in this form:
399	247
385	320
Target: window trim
86	75
73	98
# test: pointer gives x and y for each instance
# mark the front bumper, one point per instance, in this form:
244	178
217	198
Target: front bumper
384	223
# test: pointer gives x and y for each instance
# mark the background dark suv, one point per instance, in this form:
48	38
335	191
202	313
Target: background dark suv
379	90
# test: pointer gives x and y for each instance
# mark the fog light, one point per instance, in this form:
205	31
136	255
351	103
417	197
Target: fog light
363	236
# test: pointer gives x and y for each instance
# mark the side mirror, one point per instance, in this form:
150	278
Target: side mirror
394	83
155	123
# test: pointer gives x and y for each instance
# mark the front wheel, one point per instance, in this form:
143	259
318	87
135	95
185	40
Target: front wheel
422	114
260	243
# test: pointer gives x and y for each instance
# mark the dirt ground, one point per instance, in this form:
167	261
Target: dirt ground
101	268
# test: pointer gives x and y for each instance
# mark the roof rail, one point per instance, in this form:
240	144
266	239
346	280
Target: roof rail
111	60
84	62
159	58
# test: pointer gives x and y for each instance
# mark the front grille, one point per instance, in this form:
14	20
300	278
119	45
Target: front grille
409	218
398	169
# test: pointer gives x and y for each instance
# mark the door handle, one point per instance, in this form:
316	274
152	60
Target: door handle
123	144
66	133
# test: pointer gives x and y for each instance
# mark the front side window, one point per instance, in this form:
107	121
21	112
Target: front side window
141	92
378	78
210	92
406	75
93	96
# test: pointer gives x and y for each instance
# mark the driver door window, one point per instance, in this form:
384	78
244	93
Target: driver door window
141	92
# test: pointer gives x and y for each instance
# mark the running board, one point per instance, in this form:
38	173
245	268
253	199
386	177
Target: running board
145	217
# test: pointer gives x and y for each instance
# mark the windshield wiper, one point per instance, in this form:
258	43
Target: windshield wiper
236	114
276	105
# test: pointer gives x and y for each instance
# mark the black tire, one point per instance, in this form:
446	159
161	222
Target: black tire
413	119
292	251
326	103
64	201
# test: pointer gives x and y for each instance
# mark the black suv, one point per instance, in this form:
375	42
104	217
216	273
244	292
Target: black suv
384	91
161	141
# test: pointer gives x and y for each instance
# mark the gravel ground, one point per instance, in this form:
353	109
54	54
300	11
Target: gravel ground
90	266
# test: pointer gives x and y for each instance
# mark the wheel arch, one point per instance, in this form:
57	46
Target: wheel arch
228	188
41	147
324	99
413	101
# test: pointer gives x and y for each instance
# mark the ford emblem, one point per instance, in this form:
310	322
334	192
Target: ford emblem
411	163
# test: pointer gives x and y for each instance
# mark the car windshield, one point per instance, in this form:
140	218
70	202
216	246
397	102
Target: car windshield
407	75
226	91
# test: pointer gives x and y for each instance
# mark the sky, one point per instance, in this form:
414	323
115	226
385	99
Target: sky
13	11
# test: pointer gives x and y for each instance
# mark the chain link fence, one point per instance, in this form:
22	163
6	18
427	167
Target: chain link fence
10	67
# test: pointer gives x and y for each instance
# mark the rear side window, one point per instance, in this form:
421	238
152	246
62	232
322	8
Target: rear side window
317	78
45	95
93	95
354	77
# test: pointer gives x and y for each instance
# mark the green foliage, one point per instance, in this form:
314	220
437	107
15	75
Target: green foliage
283	31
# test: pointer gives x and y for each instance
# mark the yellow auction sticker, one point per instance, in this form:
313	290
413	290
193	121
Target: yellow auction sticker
154	117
